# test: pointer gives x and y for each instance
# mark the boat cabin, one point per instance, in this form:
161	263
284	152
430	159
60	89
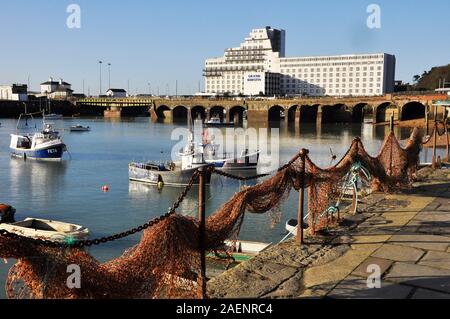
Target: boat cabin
20	142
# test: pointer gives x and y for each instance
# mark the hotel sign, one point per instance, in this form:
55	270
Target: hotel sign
254	77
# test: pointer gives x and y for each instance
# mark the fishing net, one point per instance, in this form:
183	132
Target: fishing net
166	261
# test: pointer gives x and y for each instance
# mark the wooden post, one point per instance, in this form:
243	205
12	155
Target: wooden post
435	135
392	122
201	237
301	197
447	139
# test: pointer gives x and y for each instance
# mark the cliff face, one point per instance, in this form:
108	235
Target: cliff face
430	80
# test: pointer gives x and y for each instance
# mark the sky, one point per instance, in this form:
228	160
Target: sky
162	42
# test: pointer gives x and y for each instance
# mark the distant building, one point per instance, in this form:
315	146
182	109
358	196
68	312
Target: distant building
56	89
14	92
116	93
259	66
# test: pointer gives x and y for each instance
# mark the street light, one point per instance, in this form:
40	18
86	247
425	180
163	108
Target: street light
100	63
109	74
149	89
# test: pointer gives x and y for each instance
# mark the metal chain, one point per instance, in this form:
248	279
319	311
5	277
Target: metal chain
236	177
103	240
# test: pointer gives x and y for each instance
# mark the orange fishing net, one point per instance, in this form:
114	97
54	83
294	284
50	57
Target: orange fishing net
166	262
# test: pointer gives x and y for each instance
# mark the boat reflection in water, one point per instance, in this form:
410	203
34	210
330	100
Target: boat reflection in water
42	182
146	193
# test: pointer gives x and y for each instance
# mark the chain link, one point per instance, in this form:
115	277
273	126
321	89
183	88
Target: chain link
103	240
236	177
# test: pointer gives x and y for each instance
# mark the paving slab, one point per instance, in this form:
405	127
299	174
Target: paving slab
420	276
436	259
356	288
384	265
399	253
422	241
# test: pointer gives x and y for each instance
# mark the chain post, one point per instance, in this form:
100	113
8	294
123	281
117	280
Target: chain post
201	237
301	197
433	161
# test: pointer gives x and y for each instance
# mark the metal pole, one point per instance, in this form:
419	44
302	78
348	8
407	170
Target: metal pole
427	126
109	75
201	237
100	89
301	197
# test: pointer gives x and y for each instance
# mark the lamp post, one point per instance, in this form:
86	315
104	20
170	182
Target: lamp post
100	92
149	89
109	75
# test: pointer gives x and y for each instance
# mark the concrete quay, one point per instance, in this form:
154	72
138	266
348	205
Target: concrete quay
406	236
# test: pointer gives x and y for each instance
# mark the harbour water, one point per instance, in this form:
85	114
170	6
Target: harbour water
72	190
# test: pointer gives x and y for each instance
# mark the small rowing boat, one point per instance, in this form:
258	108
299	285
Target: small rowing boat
79	128
47	229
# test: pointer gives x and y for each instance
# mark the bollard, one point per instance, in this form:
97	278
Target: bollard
301	197
201	236
433	161
391	123
447	140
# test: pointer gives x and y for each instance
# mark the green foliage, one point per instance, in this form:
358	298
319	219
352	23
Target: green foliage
430	80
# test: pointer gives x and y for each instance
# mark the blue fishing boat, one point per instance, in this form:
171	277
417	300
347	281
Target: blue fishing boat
45	145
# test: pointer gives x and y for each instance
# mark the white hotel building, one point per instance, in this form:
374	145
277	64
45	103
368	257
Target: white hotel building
259	65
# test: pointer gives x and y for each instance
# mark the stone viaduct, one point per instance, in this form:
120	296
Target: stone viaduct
320	110
264	111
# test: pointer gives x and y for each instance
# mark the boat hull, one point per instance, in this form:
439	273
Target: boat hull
49	153
47	229
170	178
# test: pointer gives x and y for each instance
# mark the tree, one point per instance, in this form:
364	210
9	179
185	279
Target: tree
416	78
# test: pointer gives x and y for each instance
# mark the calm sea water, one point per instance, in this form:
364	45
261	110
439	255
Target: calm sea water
71	191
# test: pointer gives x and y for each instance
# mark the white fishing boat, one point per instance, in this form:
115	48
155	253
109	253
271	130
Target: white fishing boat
47	229
246	161
79	128
216	122
171	173
44	145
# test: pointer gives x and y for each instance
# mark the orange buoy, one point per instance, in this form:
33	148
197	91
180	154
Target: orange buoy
105	188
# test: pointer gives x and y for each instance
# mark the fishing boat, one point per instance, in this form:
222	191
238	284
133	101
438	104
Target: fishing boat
244	162
172	173
47	229
51	116
79	128
45	145
216	122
